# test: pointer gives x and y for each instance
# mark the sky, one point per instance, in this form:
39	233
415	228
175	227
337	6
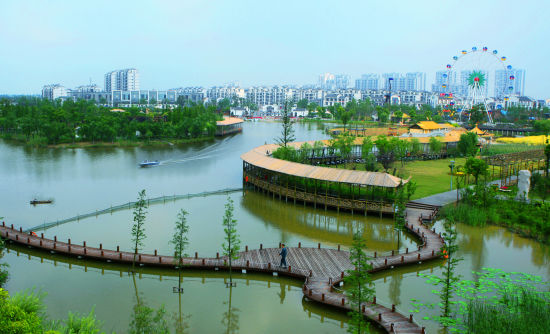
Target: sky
207	43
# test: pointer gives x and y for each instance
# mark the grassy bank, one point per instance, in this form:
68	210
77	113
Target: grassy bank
528	220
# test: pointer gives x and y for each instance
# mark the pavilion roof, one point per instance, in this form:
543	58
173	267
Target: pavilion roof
229	121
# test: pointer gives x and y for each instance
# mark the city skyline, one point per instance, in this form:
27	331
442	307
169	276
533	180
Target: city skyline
51	43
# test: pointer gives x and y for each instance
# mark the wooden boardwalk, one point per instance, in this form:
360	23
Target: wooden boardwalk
321	268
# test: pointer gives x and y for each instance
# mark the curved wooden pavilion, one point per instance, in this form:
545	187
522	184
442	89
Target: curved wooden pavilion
329	187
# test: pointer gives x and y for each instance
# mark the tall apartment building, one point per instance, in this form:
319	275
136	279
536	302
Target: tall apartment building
503	83
415	81
368	82
124	80
334	81
412	81
54	91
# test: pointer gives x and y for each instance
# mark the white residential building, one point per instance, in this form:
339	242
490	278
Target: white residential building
368	82
124	80
54	91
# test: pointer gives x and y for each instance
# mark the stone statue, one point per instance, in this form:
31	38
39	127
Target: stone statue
524	181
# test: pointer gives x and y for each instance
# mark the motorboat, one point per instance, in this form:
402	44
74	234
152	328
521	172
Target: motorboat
148	163
37	201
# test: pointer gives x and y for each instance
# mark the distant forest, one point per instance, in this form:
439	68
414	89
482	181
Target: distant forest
40	122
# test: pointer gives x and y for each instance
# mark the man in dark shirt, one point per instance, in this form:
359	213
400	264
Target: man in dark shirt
283	256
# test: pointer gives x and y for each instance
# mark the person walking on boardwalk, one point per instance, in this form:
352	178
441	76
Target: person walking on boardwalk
283	255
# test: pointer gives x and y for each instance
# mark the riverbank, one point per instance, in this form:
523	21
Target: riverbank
117	143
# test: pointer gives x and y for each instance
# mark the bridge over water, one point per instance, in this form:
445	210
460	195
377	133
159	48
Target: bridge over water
321	268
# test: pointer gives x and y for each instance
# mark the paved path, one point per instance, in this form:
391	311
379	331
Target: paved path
321	268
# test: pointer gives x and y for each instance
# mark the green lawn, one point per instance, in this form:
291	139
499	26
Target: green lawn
431	176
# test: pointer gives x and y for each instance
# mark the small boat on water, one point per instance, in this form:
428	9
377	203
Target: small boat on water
37	201
148	163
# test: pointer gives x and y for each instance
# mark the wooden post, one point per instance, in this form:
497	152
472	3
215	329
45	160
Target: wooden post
261	246
246	248
338	247
100	246
319	245
299	244
217	255
118	248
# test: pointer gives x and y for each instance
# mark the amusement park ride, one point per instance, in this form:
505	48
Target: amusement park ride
473	68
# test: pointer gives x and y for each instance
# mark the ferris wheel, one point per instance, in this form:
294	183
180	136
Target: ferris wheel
473	77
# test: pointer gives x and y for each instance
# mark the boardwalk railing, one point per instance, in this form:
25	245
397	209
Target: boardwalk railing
322	268
320	199
129	205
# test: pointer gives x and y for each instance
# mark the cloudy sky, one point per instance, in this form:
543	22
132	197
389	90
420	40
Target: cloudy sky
192	43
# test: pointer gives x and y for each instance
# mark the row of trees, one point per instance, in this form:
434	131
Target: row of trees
39	121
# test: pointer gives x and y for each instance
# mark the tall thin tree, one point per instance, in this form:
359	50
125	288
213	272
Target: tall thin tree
449	278
287	132
358	281
231	245
138	229
180	242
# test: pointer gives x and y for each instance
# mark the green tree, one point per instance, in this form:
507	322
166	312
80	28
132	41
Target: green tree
467	144
542	127
138	229
450	278
476	168
477	114
400	205
367	154
232	243
358	281
287	132
383	114
303	103
416	146
386	152
344	143
435	145
547	153
180	242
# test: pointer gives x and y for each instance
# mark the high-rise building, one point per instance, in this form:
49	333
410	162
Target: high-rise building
334	81
125	80
413	81
54	91
442	79
368	82
505	85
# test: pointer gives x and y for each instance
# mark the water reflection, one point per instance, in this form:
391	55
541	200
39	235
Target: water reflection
234	309
326	226
230	319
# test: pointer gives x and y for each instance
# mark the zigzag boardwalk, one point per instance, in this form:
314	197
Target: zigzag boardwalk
321	268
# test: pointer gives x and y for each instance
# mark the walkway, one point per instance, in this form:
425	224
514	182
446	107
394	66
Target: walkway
321	268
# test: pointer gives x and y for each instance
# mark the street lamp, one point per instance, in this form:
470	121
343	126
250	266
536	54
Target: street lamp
452	166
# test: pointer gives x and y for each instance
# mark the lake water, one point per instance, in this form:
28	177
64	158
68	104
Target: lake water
85	180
